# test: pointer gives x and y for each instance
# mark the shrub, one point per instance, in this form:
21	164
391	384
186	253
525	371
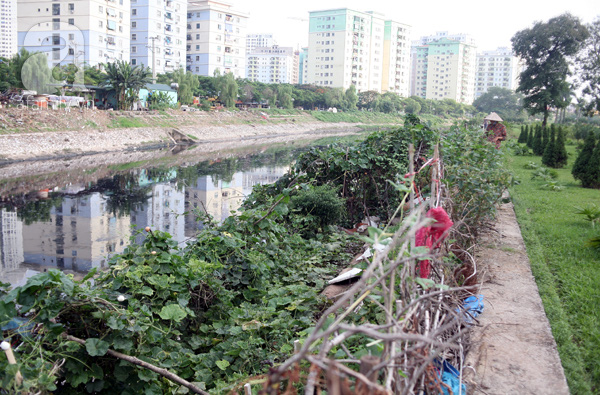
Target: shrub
475	177
321	203
545	174
549	157
583	167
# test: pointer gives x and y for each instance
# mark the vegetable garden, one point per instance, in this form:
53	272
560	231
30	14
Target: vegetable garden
242	304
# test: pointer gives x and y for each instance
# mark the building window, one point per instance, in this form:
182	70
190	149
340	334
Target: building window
134	11
56	24
55	39
197	37
71	21
71	51
71	7
100	24
134	49
133	62
197	26
133	36
101	9
71	36
55	9
55	53
133	24
158	13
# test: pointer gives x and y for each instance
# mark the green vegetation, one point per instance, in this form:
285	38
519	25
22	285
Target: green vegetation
546	49
126	81
127	122
230	304
567	273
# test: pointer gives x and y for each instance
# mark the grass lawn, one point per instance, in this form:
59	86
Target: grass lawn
567	272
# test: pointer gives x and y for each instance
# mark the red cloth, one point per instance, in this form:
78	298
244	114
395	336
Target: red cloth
432	236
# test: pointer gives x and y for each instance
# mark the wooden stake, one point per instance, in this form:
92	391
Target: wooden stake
247	389
12	361
434	177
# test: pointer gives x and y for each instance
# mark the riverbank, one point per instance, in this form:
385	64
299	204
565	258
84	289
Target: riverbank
27	134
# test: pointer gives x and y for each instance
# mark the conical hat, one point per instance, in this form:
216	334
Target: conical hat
493	117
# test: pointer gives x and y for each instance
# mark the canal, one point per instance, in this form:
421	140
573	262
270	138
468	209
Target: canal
76	220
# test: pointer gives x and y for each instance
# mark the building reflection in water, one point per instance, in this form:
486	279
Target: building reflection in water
84	228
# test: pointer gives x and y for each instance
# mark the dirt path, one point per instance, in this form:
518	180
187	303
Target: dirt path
513	350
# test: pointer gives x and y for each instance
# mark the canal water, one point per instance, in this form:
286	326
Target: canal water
76	226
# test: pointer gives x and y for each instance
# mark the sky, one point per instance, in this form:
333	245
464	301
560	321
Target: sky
492	24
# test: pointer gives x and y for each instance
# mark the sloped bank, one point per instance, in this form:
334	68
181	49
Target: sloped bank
27	146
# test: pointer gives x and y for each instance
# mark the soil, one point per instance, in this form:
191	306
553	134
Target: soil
512	349
81	132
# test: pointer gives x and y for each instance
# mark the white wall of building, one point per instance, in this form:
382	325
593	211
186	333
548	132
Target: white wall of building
216	38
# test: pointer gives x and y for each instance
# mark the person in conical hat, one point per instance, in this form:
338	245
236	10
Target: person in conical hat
495	132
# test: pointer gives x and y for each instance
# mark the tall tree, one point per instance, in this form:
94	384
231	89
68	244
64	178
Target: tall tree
351	98
284	92
7	76
546	49
36	75
188	84
502	101
589	63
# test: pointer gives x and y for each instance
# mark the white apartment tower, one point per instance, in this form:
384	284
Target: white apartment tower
443	67
8	28
254	41
363	49
496	68
216	38
89	31
158	30
272	65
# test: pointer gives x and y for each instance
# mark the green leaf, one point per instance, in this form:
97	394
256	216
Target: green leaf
90	274
96	347
172	312
222	364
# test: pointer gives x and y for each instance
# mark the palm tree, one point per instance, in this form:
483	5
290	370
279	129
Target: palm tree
126	81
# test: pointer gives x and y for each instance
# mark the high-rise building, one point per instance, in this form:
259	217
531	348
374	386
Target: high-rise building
303	65
272	65
396	58
158	32
254	41
216	38
444	68
8	28
348	47
496	68
78	32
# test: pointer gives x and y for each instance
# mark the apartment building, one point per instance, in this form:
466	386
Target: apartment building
216	38
396	59
8	28
272	65
499	68
303	65
444	69
89	31
259	40
348	47
158	32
